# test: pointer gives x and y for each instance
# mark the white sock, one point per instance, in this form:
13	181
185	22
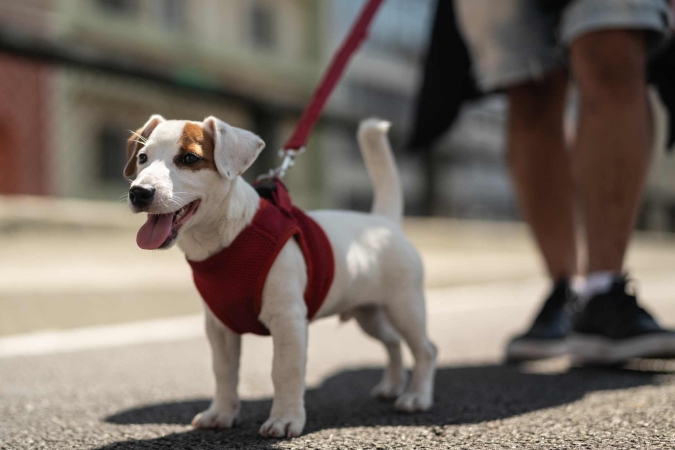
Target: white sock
599	283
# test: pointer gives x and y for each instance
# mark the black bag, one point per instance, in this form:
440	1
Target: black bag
447	81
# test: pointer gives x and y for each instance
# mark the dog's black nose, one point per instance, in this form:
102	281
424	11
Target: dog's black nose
141	196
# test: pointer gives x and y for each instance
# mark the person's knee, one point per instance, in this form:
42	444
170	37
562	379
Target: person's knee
535	121
537	102
609	67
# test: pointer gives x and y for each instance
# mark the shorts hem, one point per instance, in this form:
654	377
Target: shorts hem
517	72
653	20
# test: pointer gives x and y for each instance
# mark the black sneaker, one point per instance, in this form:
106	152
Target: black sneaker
612	328
547	338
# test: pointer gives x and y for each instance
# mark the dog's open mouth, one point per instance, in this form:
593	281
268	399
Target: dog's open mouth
161	230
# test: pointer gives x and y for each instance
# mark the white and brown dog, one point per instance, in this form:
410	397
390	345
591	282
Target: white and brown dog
187	178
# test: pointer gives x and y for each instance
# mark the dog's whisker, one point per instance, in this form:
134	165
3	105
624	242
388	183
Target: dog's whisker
140	136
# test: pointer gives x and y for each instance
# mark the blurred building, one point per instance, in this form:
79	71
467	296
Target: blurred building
261	50
266	54
25	90
254	63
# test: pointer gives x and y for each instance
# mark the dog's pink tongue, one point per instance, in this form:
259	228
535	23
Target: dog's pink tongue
155	231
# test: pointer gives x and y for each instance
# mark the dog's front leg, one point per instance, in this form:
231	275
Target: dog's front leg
289	335
226	349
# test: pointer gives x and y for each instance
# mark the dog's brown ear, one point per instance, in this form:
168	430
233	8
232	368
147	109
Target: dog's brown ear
234	149
137	141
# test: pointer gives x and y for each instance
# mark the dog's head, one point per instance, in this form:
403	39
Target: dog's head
178	165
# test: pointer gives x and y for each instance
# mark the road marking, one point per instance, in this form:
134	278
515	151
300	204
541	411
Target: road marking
133	333
439	302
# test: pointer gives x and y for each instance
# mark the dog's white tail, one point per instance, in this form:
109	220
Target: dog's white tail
379	159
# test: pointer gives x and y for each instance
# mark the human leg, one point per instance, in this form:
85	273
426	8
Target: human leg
613	143
608	56
514	49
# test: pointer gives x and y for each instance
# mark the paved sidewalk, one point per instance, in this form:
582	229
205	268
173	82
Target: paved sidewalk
101	347
142	394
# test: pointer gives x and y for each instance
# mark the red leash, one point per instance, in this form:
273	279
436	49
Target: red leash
296	144
337	66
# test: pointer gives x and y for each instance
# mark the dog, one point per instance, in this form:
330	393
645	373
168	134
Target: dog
187	178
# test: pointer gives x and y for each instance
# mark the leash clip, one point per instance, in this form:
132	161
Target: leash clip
289	156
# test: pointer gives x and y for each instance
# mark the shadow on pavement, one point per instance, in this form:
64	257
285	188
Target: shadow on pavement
463	395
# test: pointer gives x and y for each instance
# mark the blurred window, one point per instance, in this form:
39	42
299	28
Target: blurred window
120	7
174	13
263	26
9	176
401	26
367	99
112	155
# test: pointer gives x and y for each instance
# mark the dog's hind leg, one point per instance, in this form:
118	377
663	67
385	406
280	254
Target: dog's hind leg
405	308
376	324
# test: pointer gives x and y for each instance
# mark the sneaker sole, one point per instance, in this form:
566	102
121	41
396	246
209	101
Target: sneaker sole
591	349
532	350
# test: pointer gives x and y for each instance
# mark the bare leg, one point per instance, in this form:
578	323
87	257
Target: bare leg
226	349
613	142
375	323
541	170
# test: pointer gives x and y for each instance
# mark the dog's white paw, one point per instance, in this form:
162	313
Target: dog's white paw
414	401
213	418
286	425
388	389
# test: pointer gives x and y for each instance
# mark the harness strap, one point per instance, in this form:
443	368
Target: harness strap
354	39
274	190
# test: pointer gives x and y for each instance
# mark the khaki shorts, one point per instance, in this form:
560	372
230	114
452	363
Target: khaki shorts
515	41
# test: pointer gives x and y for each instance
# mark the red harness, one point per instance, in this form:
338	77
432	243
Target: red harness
231	281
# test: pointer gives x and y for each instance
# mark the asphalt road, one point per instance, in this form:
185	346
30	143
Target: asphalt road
139	391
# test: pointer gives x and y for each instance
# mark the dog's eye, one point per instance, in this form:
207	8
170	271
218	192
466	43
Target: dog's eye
142	158
189	158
